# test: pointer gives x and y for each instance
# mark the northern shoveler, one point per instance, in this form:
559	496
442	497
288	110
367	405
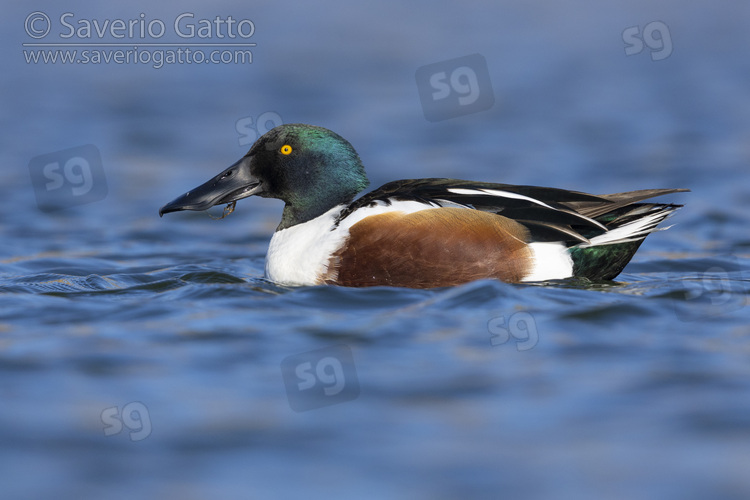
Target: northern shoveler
422	233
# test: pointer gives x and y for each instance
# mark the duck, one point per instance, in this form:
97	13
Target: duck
422	233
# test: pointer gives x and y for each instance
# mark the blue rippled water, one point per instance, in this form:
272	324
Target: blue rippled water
148	358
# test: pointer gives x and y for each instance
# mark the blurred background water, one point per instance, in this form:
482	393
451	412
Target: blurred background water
142	357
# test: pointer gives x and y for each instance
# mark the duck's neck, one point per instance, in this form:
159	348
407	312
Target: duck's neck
304	210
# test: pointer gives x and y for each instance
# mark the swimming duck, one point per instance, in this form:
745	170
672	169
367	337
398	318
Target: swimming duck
422	233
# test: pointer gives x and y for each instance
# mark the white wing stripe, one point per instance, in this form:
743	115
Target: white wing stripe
495	192
632	231
506	194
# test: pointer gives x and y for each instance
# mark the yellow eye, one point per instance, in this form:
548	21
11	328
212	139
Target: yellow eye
286	149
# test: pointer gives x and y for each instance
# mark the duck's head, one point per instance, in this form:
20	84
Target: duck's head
310	168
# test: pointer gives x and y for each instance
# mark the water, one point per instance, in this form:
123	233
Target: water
163	334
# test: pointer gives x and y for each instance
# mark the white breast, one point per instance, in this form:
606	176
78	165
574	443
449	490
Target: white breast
298	255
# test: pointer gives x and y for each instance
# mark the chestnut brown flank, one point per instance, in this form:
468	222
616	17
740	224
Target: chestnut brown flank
431	248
